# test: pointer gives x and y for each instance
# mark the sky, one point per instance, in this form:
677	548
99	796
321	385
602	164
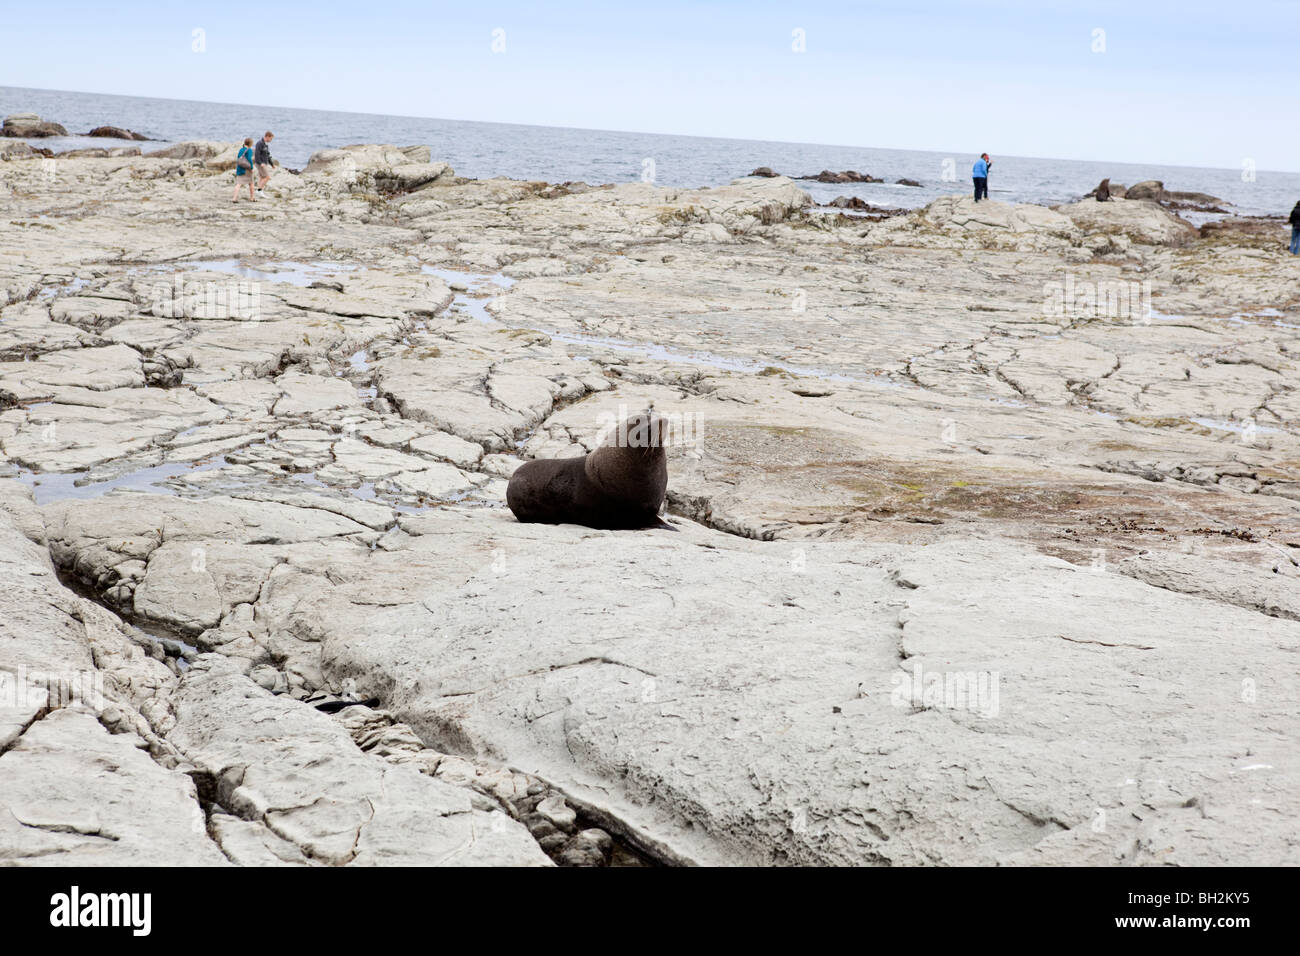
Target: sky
1193	83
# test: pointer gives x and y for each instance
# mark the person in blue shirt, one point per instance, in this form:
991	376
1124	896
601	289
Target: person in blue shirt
244	174
1295	230
980	173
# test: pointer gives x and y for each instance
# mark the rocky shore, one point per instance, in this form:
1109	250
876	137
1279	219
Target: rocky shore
985	541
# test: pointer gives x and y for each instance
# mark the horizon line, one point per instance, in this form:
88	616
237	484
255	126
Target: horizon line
589	129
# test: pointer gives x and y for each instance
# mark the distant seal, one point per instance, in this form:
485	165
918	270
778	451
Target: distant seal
1103	191
620	485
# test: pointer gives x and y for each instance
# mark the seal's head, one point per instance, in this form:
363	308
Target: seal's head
632	464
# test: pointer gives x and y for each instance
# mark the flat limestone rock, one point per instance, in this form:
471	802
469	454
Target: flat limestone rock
867	404
40	631
682	690
75	795
297	772
962	212
1145	222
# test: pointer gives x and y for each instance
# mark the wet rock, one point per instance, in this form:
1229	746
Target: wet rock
907	182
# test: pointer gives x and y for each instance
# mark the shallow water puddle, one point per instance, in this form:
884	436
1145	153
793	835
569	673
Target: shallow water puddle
51	486
1239	428
65	287
288	272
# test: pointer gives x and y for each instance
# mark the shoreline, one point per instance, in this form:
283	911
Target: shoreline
685	161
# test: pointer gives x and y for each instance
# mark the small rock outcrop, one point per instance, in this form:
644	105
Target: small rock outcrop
99	152
1143	222
15	151
192	149
383	169
847	176
1151	189
25	125
116	132
858	204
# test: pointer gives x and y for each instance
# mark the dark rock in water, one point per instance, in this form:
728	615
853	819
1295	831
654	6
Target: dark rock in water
764	171
1196	207
1175	195
855	202
1194	201
1154	191
848	176
116	132
875	213
26	125
1151	189
906	182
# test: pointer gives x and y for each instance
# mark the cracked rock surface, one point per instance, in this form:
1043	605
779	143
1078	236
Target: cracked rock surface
985	544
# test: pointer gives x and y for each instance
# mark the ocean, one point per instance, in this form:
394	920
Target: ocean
554	154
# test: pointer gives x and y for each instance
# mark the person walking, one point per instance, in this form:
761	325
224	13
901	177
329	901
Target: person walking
262	157
980	173
1295	230
244	170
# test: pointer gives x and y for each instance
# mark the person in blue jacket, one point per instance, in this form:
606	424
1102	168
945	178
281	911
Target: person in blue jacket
244	169
980	173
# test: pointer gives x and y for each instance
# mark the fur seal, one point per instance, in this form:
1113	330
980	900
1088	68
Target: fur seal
620	485
1103	191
